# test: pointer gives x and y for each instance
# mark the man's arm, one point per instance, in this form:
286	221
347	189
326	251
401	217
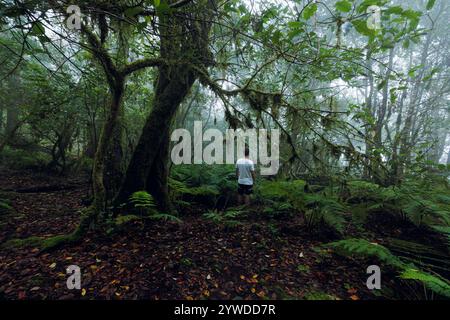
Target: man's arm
237	173
254	175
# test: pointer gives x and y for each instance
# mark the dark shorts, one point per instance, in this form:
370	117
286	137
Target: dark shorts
245	189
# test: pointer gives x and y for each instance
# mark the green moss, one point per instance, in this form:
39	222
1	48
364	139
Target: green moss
58	241
20	243
120	220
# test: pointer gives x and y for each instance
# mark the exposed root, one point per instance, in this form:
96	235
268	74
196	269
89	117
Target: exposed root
52	243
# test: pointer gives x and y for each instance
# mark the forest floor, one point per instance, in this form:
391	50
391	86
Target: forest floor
196	259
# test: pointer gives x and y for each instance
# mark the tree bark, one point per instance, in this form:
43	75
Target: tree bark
173	85
185	41
100	195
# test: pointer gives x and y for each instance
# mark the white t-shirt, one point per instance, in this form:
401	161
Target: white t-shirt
245	167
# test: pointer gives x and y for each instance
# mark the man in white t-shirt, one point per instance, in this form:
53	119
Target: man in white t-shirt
245	172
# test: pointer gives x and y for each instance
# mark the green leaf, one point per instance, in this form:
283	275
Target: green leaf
361	27
38	29
367	3
132	12
344	6
381	84
405	44
163	8
156	3
430	4
394	10
294	24
309	11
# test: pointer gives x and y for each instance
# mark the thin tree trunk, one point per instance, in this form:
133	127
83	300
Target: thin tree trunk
109	126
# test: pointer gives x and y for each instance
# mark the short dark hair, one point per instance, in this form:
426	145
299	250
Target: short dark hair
246	151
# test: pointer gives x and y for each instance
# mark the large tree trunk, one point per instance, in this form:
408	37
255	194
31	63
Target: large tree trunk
147	165
157	180
186	41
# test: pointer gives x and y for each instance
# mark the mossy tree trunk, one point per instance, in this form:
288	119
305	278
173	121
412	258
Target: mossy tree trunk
184	42
148	165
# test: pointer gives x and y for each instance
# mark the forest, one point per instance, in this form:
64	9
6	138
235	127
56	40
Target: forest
129	130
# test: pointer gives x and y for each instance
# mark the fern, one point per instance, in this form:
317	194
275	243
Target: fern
364	248
280	190
445	231
434	283
165	217
142	199
443	198
227	218
213	216
279	209
326	210
364	192
421	211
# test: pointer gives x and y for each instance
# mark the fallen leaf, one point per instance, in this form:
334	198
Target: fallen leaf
352	290
261	294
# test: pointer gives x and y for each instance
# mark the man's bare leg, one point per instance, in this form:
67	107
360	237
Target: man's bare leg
247	199
239	198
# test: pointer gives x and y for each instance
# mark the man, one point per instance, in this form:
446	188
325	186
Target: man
245	172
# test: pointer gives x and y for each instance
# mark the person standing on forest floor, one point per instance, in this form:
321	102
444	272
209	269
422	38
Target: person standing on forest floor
245	173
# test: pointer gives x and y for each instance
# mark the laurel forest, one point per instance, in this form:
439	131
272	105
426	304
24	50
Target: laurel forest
225	149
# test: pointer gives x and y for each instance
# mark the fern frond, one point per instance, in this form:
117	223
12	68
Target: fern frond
434	283
364	248
165	217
